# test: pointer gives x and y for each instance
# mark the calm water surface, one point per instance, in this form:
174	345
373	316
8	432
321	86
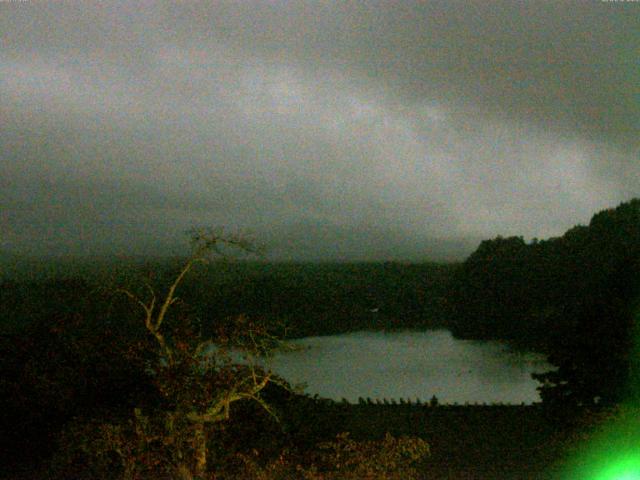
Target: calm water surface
411	365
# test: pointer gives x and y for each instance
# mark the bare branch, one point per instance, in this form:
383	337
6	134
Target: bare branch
152	292
169	299
133	297
263	404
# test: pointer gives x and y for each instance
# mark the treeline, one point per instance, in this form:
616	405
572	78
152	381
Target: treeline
572	297
321	299
303	298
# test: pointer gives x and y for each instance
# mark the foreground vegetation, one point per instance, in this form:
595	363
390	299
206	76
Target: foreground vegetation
135	390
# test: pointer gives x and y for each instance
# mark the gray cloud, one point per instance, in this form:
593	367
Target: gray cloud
332	131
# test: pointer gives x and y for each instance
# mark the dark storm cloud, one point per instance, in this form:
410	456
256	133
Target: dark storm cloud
390	129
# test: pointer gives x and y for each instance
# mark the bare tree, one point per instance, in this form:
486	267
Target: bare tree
200	379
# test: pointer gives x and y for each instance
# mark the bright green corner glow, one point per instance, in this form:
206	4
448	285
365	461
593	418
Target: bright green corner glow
607	466
624	469
613	453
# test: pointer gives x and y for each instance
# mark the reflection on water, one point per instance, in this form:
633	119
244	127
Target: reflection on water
411	365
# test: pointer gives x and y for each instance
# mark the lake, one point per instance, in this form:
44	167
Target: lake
411	365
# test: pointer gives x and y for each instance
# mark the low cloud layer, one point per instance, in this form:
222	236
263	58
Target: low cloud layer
330	131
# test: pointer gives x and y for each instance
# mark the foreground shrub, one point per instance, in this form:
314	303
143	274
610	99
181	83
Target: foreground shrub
344	458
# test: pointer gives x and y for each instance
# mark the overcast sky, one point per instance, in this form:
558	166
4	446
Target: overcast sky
373	130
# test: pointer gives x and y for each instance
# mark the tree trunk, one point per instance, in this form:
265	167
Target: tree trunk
200	449
183	472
